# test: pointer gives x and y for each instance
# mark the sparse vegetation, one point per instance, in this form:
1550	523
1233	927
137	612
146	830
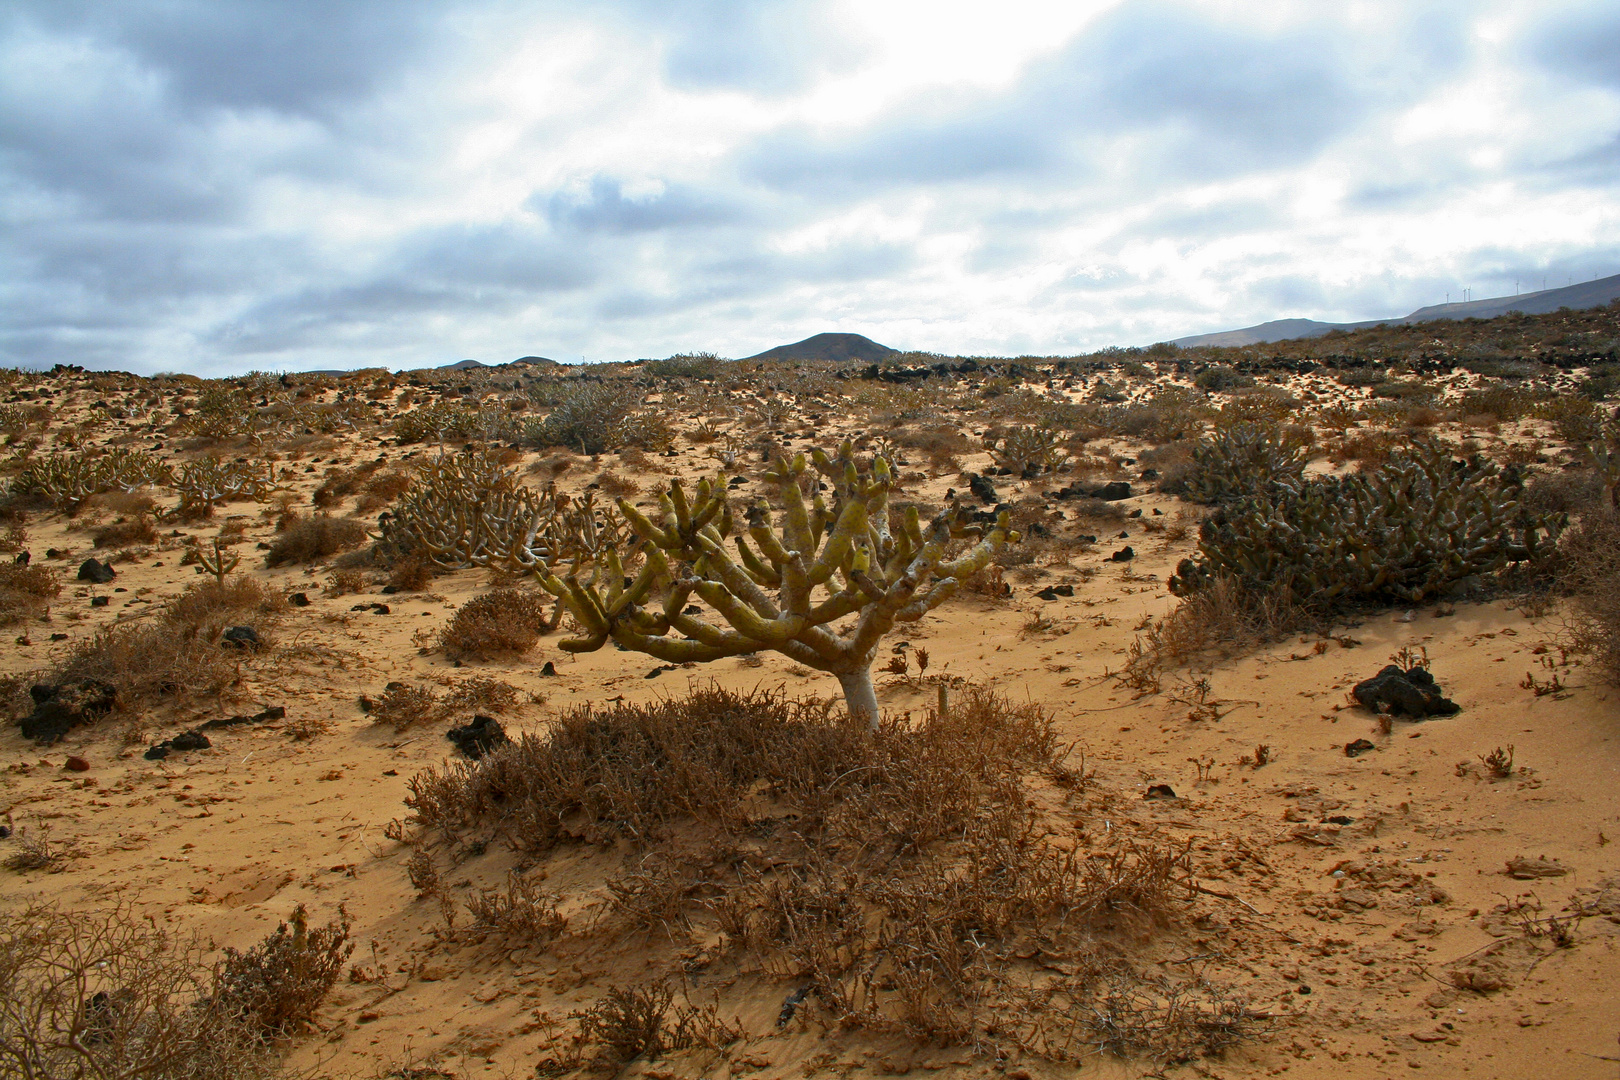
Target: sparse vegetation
314	538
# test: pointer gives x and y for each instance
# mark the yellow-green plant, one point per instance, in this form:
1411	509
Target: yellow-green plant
220	563
822	585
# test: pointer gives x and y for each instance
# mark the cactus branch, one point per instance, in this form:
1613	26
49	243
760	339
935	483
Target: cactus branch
796	581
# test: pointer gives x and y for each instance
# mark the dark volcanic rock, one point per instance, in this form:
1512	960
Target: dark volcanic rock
1124	554
240	637
982	488
59	709
479	737
96	572
1412	692
1357	748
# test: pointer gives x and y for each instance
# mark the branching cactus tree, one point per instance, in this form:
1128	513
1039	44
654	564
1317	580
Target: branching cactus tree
822	584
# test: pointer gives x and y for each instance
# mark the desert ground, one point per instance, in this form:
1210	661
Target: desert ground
1444	900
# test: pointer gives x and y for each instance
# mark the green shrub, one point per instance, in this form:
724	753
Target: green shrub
1407	531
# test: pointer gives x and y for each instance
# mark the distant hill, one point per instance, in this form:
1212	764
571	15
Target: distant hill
462	365
1588	294
829	347
536	361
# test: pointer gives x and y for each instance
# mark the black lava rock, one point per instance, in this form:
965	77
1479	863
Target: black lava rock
190	740
1412	692
1114	491
100	601
479	737
982	488
59	709
1359	747
299	599
1124	554
96	572
240	637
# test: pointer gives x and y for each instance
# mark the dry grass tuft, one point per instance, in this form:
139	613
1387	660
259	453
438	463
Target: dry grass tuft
149	662
314	538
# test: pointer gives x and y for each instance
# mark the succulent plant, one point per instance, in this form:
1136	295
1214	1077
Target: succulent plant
1411	529
208	482
766	597
1028	450
1241	460
468	509
67	479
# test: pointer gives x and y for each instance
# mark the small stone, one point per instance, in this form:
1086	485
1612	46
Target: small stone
1160	791
299	599
100	601
76	764
1359	747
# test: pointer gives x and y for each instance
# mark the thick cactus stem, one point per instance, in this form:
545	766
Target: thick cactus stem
859	696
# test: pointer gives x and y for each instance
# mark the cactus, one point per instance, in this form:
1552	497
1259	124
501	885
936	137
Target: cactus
1606	461
220	563
67	480
1405	532
468	509
1028	451
209	482
1240	460
767	594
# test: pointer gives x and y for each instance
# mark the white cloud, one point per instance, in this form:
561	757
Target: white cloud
215	185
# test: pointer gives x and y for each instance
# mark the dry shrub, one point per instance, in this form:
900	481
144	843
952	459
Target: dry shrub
1222	617
314	538
1591	573
641	1021
280	982
402	705
208	607
619	487
481	694
523	910
106	994
413	573
26	590
500	622
149	661
382	489
126	531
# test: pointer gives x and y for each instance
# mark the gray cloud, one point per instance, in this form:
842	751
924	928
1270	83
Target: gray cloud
215	183
605	208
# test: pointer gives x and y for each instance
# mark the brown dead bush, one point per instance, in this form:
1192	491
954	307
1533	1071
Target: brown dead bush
314	538
149	661
26	590
1591	574
208	607
126	531
108	995
501	622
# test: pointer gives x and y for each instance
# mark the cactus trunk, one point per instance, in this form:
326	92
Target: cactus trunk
859	696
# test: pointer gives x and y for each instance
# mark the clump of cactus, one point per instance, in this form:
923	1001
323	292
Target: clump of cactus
449	420
1240	460
468	509
822	584
1028	451
210	482
1413	529
68	479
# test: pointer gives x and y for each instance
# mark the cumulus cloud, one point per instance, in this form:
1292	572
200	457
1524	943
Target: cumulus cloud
221	184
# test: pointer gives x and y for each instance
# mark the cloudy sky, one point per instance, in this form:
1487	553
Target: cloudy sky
220	185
